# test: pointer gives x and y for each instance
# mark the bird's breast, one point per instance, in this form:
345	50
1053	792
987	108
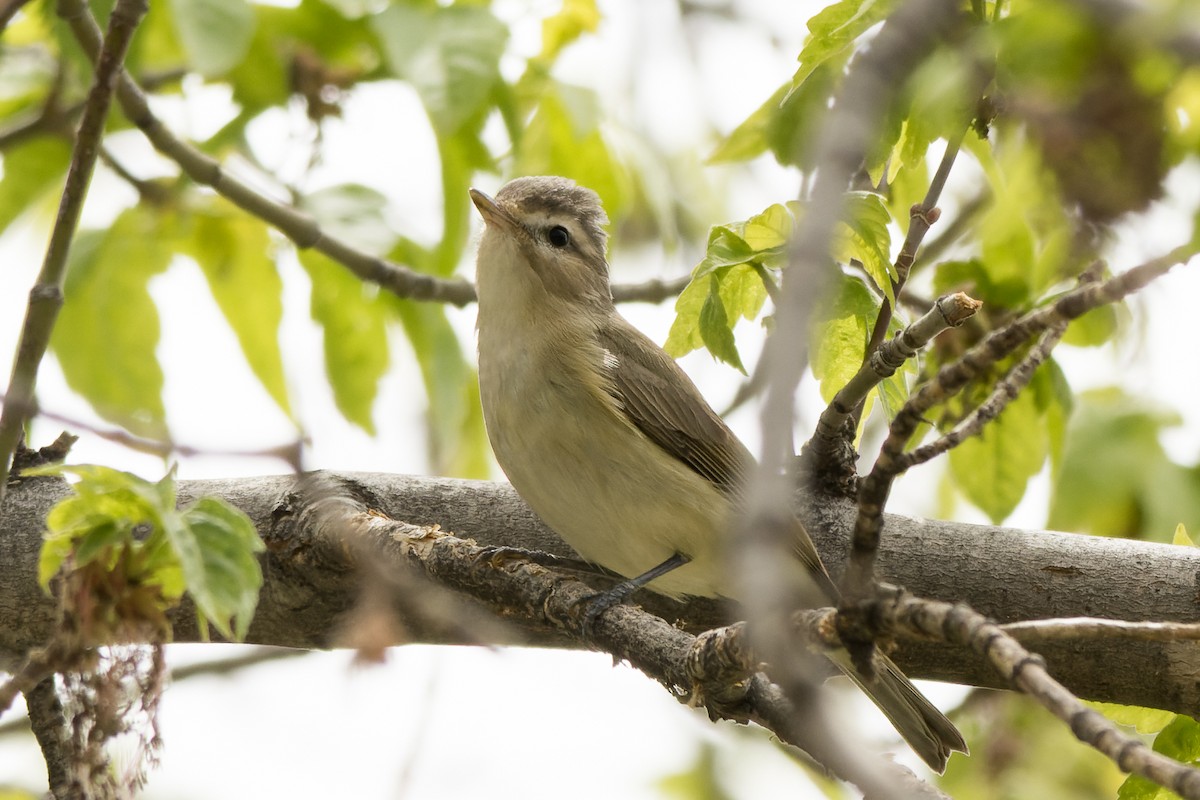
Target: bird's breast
610	492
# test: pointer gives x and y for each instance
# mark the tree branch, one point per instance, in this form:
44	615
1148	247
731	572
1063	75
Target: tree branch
953	377
1027	672
302	229
1004	392
920	220
46	297
50	728
1005	573
695	671
950	311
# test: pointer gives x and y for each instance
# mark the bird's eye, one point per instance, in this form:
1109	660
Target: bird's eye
558	236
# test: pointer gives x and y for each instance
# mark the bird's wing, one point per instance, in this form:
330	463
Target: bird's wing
663	403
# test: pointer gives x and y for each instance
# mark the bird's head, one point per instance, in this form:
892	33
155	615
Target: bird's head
543	234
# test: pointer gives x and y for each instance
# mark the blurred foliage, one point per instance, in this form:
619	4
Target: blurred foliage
1018	751
1115	479
1068	125
269	59
701	781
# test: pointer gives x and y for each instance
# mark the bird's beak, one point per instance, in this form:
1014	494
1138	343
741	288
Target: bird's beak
492	213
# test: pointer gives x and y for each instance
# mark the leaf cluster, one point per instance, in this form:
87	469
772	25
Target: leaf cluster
1036	109
122	556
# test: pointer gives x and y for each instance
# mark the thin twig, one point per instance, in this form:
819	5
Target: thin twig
292	453
1026	671
1002	394
1076	628
46	298
949	311
652	291
921	217
846	134
302	229
154	194
49	725
952	378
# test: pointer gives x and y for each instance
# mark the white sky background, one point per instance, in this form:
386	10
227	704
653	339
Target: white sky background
317	727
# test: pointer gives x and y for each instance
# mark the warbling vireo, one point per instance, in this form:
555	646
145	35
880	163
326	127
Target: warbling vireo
607	439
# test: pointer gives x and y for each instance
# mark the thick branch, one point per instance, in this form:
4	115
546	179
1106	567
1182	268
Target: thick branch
692	669
1005	573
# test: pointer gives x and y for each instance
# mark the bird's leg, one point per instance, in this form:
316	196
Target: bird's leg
598	603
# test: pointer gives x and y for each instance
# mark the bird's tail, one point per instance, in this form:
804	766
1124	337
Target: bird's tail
926	729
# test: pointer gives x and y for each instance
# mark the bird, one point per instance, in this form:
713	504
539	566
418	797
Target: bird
609	441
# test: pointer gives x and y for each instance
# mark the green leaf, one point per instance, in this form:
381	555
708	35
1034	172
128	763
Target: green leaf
1021	233
743	292
1136	787
564	138
1179	740
701	780
233	251
353	321
1095	327
156	48
684	336
726	248
941	103
1055	401
863	235
117	522
975	278
451	56
733	273
31	170
1115	478
354	213
715	328
575	18
834	29
749	139
215	34
1181	537
1144	720
107	331
993	468
457	442
894	390
907	187
768	230
98	517
216	544
839	335
785	123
